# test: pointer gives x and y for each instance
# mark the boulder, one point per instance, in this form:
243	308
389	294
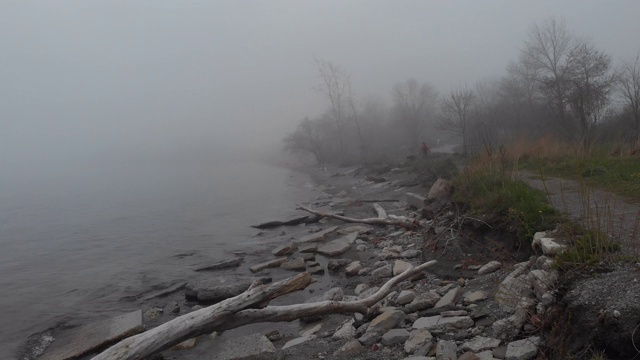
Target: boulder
489	267
418	339
346	331
86	338
524	349
394	337
267	264
294	264
450	298
441	323
400	266
422	301
318	236
380	325
446	350
441	189
243	347
405	297
382	272
334	248
285	249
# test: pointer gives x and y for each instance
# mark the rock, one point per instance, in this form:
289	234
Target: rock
172	308
245	346
500	352
360	288
411	254
225	264
85	338
380	325
441	189
382	272
333	294
418	339
468	356
337	264
524	349
153	313
473	297
315	270
446	350
334	248
544	263
453	313
318	236
543	281
187	344
550	247
449	298
405	297
308	248
310	329
351	348
346	331
422	301
592	305
296	341
438	322
359	229
394	337
485	355
415	200
361	248
368	292
285	249
420	358
515	286
267	264
480	343
400	266
294	264
353	268
489	267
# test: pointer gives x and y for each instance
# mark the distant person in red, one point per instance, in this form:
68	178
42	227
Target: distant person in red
425	149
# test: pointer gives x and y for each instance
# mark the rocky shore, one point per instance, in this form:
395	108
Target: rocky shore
485	298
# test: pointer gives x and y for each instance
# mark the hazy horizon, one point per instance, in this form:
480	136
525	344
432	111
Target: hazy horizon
86	81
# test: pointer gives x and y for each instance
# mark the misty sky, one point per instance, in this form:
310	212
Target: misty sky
93	78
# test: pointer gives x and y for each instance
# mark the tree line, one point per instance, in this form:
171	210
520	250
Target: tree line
561	84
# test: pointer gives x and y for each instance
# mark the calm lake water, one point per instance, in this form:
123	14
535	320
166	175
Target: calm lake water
73	244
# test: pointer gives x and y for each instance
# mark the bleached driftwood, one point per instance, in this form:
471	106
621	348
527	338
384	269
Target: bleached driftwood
392	220
203	321
236	312
293	312
382	214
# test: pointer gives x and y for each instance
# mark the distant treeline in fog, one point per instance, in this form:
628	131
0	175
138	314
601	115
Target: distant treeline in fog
561	84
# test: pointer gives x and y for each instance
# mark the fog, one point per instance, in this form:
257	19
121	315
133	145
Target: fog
115	80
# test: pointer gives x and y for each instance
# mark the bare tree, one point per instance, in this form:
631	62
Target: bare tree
455	115
335	86
545	54
591	81
629	87
414	105
308	137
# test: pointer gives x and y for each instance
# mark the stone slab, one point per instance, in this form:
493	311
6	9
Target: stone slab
85	338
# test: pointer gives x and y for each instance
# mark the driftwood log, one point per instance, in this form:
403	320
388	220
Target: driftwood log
242	310
382	219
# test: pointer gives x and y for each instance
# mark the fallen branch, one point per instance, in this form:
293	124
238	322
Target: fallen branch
199	322
236	312
293	312
392	220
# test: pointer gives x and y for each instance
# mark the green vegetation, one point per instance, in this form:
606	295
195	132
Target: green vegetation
619	174
587	247
497	198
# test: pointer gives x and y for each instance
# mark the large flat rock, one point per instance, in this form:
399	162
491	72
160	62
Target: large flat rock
318	236
86	338
254	345
334	248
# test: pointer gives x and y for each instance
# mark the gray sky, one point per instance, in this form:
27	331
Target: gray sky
84	78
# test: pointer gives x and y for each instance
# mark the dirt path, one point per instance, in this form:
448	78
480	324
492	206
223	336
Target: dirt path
595	208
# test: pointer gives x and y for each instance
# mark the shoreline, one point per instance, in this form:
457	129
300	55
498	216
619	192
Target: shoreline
339	190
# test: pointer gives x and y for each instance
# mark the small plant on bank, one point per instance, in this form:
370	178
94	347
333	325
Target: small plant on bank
586	247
